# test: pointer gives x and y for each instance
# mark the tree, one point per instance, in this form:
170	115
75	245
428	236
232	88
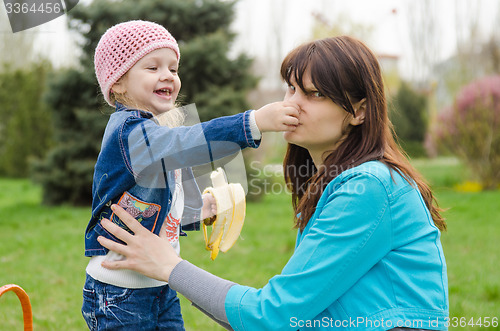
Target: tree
215	83
470	129
477	52
25	129
408	114
19	46
26	124
340	25
425	42
66	172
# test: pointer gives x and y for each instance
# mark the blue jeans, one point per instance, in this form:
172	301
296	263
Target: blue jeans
108	307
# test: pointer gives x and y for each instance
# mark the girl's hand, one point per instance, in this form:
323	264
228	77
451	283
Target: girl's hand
145	252
209	208
277	116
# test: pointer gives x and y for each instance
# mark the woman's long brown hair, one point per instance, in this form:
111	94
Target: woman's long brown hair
346	71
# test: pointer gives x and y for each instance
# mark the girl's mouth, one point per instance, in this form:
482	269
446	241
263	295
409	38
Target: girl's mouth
163	92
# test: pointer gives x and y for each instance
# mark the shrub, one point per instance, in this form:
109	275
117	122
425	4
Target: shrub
470	129
408	114
26	126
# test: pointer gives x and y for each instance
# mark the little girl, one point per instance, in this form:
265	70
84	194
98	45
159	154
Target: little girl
145	168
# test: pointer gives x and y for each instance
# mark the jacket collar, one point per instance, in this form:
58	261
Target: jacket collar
122	107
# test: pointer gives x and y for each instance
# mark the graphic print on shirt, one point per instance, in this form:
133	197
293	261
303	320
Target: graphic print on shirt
173	219
172	228
140	210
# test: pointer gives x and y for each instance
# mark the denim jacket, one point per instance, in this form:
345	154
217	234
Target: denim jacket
136	164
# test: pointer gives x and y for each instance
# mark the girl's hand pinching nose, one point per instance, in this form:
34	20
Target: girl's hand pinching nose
277	116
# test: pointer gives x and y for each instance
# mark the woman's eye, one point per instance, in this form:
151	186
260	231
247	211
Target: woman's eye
317	94
291	88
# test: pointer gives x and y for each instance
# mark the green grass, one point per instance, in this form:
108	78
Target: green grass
470	243
471	250
41	249
442	173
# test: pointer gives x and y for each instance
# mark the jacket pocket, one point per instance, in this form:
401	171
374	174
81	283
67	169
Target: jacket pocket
145	213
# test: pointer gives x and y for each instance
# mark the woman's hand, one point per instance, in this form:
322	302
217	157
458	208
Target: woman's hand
145	252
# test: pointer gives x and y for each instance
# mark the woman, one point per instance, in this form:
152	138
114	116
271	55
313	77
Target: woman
368	254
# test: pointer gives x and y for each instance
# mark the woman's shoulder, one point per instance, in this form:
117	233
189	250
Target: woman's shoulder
373	175
369	170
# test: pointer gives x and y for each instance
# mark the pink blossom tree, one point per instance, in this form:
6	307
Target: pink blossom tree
470	129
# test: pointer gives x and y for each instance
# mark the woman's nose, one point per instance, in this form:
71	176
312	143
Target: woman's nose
296	97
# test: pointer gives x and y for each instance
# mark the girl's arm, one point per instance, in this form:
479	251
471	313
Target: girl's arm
149	148
145	143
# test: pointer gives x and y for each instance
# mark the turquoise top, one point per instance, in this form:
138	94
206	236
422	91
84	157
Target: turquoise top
370	258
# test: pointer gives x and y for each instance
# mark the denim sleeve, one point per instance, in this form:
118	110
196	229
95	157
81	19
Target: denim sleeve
350	234
146	144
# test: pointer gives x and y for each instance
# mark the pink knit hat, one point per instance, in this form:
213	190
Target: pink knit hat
122	45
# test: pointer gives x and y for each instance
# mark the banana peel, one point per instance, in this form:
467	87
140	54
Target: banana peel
231	208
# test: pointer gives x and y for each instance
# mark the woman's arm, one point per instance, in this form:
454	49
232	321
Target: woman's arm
154	256
206	291
146	253
350	235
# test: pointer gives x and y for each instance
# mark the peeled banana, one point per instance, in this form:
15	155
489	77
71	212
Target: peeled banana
231	207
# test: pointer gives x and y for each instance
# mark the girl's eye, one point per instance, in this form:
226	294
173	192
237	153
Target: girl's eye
174	70
153	68
291	88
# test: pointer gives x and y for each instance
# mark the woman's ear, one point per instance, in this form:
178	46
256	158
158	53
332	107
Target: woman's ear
359	111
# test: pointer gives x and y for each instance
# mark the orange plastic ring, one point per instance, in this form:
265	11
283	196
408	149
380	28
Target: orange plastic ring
25	304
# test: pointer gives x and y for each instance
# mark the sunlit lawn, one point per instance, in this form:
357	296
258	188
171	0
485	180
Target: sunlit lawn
41	249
